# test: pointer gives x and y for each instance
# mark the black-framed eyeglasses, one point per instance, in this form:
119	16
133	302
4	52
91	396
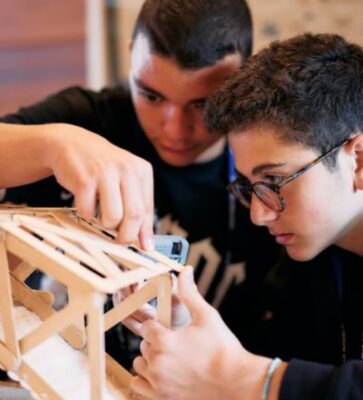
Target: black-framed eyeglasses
269	193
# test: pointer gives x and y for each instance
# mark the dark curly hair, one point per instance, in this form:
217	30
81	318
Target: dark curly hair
308	89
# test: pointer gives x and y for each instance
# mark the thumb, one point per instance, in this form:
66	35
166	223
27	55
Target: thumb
190	296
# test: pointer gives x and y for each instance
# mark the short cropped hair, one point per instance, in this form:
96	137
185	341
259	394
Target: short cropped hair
308	89
196	33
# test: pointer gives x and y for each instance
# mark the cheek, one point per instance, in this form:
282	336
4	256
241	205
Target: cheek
200	132
149	115
316	209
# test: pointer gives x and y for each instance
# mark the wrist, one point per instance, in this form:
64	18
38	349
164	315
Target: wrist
276	381
53	141
247	377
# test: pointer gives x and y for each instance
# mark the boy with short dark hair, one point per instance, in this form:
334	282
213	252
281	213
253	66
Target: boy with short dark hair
181	52
293	115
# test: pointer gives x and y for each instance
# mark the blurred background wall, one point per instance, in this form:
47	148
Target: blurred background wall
46	45
42	46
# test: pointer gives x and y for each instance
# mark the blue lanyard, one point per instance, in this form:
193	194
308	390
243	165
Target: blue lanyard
231	199
338	275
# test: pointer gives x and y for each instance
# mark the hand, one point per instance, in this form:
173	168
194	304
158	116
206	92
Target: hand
95	170
180	315
203	360
90	167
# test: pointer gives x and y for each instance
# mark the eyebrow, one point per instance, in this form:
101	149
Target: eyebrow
267	166
146	88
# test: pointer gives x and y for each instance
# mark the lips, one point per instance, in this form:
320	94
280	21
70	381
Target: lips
174	149
283	238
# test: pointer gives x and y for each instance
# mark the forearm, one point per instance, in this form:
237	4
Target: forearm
25	153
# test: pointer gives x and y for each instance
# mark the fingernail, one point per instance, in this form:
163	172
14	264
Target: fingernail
188	273
149	244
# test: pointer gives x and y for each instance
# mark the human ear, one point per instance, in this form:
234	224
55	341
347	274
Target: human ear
355	147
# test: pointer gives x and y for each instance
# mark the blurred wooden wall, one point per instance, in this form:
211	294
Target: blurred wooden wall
273	19
42	49
280	19
43	43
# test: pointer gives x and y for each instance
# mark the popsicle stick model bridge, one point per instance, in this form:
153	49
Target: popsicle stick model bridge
54	353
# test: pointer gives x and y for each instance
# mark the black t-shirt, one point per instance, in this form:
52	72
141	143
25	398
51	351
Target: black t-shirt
190	201
315	321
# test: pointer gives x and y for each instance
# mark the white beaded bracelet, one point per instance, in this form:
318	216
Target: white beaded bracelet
270	372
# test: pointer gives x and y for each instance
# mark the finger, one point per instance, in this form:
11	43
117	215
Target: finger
144	313
190	296
152	332
134	321
86	200
110	201
134	210
140	366
121	294
146	350
133	325
146	234
142	387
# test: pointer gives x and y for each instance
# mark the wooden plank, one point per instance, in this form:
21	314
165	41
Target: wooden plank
95	347
110	267
129	305
41	22
55	323
79	323
23	271
6	303
164	291
7	359
109	248
50	261
37	304
71	250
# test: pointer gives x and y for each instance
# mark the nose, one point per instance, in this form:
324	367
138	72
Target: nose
260	213
177	122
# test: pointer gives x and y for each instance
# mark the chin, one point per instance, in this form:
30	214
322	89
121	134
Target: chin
177	161
302	254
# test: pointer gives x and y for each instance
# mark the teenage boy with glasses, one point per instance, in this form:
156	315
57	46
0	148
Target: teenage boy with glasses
293	115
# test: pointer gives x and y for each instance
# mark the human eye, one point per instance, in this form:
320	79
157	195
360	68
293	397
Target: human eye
199	104
150	96
275	179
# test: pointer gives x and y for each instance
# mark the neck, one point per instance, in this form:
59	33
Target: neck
352	239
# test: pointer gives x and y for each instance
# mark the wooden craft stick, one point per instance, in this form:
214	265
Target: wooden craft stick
6	303
164	291
129	305
109	248
23	270
7	359
37	304
49	260
110	267
79	323
96	345
56	323
71	250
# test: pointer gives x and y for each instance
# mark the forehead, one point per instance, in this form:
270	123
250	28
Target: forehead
165	76
262	146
